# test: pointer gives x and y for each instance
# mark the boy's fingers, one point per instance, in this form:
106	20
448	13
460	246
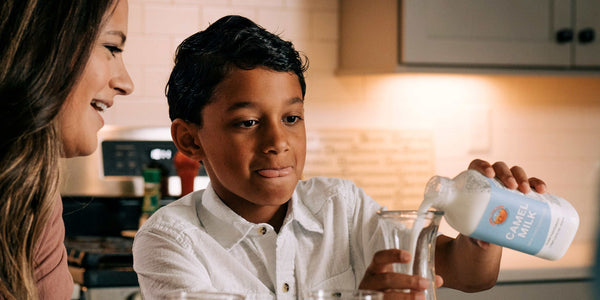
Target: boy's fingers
538	185
505	175
383	260
439	281
521	178
483	167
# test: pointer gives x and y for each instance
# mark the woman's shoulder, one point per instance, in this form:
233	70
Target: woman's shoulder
50	258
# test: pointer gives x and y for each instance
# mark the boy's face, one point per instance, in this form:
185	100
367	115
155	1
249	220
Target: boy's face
253	138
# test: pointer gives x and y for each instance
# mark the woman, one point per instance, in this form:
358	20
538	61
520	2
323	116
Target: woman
60	66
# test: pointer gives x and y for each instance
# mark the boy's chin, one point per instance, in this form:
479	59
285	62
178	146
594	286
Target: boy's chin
275	197
276	200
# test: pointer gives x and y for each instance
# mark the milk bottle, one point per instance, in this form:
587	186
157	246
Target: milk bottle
543	225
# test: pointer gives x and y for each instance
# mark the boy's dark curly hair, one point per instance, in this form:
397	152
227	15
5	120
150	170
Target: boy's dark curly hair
205	58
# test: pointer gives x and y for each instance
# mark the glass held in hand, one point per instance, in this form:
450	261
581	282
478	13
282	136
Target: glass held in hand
415	233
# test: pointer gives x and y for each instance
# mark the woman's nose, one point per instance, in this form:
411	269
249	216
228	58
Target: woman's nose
121	82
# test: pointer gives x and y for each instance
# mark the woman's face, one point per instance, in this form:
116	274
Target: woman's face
103	77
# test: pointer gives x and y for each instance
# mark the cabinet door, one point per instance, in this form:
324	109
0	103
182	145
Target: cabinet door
587	31
486	32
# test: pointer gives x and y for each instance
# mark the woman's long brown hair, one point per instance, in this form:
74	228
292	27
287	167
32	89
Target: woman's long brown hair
44	47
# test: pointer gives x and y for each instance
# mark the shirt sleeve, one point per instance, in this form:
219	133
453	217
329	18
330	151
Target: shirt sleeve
366	236
51	273
165	262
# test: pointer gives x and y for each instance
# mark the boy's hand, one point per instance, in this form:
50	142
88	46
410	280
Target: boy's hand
512	178
380	276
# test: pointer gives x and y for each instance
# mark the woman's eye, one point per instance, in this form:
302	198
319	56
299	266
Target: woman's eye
113	49
292	119
247	123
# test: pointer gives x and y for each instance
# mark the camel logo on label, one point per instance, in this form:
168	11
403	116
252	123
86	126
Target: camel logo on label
498	215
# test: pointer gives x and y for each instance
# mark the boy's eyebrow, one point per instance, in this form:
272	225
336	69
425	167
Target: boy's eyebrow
248	104
296	100
239	105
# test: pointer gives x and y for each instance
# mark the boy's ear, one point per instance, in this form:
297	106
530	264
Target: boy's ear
186	140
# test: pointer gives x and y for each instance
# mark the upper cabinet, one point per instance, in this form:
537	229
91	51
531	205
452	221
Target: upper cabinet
388	35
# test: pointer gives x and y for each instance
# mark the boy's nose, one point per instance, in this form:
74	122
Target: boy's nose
275	139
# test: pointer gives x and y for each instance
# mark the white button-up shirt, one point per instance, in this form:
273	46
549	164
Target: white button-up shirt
327	240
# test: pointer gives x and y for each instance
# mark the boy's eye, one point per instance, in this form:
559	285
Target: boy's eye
292	119
247	123
113	49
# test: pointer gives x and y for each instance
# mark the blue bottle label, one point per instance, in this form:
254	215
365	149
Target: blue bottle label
514	220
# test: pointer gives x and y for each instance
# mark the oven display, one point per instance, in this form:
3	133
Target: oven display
129	158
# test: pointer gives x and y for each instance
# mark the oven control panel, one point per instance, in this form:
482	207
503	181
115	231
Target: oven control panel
130	158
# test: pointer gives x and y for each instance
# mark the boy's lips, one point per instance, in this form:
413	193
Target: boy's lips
273	173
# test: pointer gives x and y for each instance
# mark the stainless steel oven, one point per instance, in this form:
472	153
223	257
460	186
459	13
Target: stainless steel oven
115	168
102	196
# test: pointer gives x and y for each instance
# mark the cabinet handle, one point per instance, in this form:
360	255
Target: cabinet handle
564	35
586	35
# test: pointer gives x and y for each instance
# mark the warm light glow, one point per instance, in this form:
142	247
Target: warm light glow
420	99
439	90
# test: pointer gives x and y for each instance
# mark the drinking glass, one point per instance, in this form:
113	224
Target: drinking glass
416	233
203	296
344	294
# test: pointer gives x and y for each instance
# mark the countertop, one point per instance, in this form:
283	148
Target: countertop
577	263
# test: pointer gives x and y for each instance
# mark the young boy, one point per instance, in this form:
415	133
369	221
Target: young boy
236	99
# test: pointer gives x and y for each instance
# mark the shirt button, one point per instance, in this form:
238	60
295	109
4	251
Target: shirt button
286	287
262	230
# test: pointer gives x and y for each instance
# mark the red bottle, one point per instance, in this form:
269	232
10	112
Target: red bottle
187	170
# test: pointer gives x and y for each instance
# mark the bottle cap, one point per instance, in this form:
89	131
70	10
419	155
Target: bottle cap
151	175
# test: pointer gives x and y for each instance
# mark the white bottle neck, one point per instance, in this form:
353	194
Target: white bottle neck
439	192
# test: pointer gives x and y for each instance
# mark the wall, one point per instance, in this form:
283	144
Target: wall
549	125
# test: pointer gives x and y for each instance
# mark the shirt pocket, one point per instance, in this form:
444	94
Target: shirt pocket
344	280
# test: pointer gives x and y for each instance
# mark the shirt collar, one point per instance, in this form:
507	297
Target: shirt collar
222	223
228	228
303	215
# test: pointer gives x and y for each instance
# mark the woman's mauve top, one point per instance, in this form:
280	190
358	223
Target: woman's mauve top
51	273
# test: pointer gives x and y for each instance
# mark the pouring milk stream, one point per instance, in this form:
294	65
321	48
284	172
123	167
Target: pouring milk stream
543	225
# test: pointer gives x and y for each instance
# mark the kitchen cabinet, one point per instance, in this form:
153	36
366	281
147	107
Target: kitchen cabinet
388	35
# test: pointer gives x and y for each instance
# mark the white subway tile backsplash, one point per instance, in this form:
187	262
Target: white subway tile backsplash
144	111
313	4
556	144
136	18
319	87
289	24
212	14
136	72
203	3
149	50
175	42
171	19
150	1
155	81
259	3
